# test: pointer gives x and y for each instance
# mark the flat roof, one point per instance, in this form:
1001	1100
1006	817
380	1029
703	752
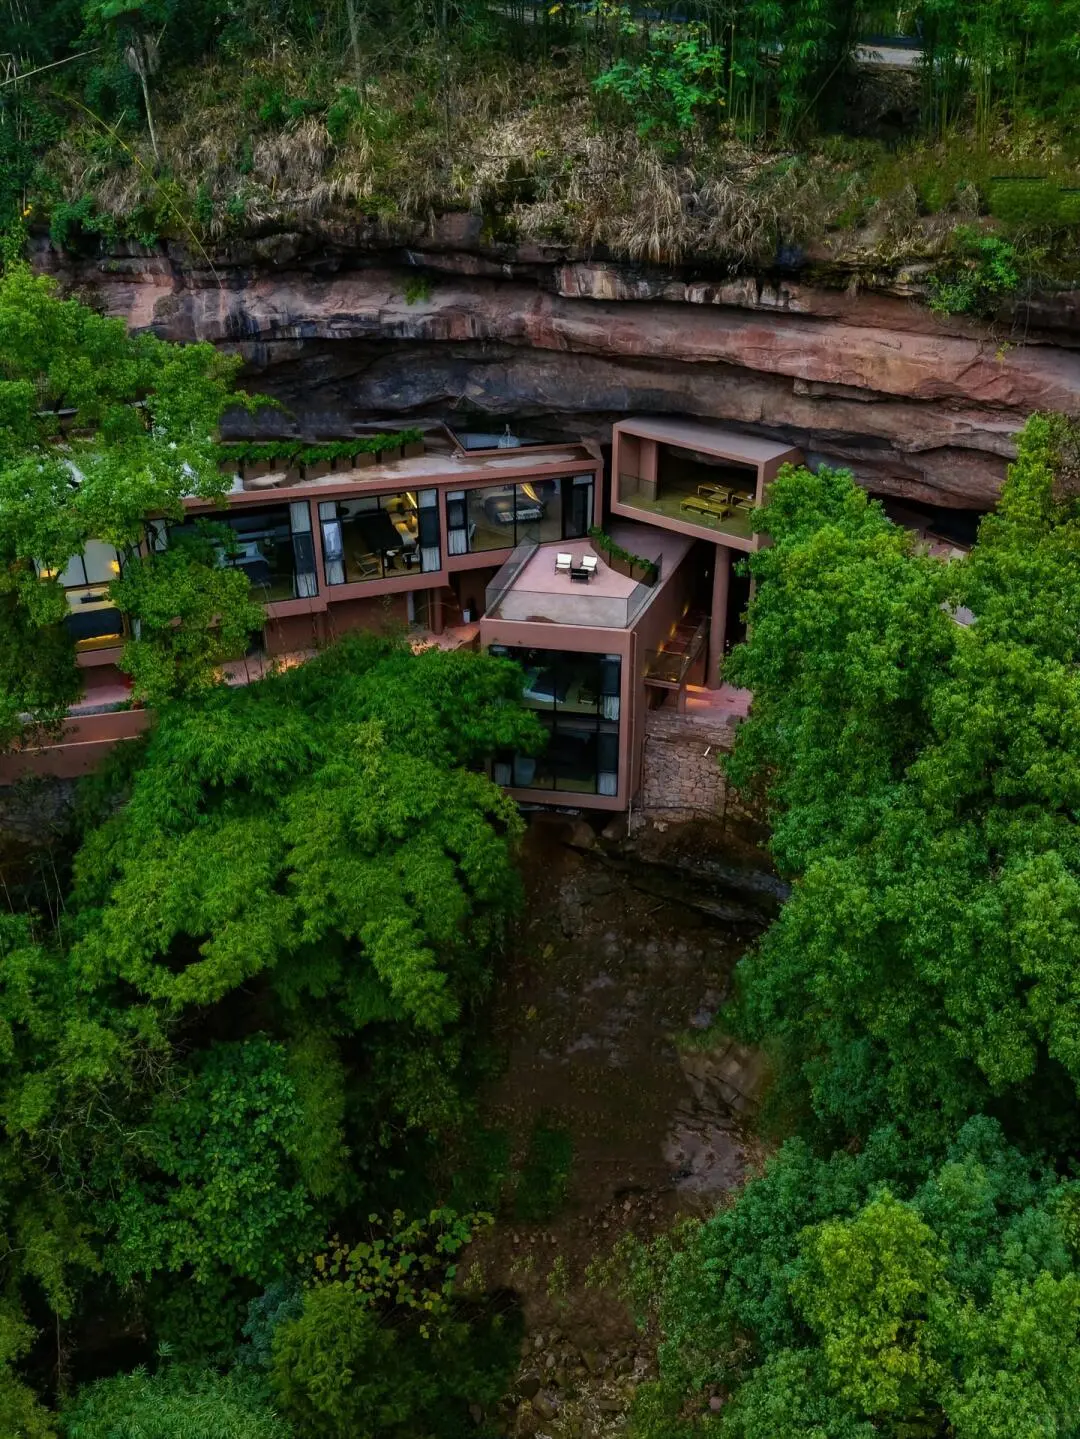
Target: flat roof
437	464
712	439
538	593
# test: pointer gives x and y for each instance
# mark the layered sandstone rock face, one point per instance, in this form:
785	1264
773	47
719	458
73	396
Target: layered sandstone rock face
917	405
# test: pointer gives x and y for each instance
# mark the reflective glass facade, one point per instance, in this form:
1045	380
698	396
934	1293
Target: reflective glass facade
498	517
93	621
576	699
273	547
377	537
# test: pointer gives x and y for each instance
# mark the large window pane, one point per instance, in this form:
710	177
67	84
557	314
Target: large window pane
500	516
380	536
264	551
427	518
539	510
578	507
491	518
303	549
262	547
576	699
98	564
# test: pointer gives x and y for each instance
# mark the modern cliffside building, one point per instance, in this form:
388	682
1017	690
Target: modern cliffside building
485	544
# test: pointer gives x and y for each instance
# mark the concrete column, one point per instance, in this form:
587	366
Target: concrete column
436	612
649	466
718	618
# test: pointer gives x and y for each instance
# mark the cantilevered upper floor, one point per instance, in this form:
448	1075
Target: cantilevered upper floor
697	479
582	584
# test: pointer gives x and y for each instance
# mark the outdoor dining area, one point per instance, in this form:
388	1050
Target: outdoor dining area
715	501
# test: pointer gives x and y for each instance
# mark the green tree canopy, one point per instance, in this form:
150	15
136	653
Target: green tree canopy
881	1294
923	779
175	1403
100	430
252	1007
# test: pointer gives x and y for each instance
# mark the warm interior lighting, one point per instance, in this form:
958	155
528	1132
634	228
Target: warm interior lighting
47	574
527	487
114	565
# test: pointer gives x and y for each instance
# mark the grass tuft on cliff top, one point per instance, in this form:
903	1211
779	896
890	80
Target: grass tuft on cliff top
602	134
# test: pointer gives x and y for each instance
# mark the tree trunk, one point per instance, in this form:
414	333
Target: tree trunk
354	40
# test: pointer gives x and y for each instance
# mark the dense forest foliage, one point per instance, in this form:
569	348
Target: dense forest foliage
240	1036
729	128
234	1053
100	432
909	1263
239	1025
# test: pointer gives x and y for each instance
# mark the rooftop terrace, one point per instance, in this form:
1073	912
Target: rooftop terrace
529	589
441	461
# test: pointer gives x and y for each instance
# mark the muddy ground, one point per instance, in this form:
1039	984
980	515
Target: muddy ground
607	993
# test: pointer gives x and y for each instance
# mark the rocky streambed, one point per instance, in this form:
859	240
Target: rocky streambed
606	1021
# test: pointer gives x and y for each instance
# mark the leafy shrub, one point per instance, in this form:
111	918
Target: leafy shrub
545	1175
74	221
296	452
979	273
611	550
342	1370
1035	203
668	91
345	109
175	1403
417	288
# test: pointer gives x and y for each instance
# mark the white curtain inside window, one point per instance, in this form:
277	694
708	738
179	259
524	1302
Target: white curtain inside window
427	502
300	524
333	550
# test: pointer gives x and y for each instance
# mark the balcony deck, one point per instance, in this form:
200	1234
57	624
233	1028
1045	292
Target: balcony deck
668	503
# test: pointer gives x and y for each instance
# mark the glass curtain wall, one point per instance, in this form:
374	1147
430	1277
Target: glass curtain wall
93	621
375	537
274	547
576	699
498	517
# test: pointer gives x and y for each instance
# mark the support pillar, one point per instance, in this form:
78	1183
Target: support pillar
718	617
436	612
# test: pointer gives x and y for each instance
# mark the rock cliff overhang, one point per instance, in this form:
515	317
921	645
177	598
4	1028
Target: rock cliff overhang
918	405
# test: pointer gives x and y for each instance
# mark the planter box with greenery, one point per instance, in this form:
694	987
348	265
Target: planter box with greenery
635	567
257	458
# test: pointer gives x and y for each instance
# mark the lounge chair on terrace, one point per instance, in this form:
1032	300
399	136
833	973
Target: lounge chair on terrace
589	564
563	564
